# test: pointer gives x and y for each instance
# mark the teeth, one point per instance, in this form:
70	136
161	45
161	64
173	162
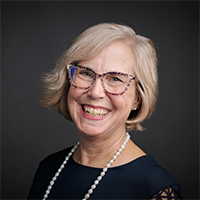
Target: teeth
94	111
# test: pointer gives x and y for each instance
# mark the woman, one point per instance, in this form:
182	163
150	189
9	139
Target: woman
106	83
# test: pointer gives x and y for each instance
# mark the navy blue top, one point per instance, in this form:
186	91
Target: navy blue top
141	178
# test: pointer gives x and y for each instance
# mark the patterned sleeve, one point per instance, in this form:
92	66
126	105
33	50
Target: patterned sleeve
168	193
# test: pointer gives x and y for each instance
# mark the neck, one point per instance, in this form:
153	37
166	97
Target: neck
96	151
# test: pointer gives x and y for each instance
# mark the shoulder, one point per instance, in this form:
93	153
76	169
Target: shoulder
50	164
55	158
151	175
157	173
45	171
57	155
147	171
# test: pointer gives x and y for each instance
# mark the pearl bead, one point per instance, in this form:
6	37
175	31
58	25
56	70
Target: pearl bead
54	178
73	150
90	191
66	158
49	187
47	191
93	187
65	162
52	182
70	153
108	165
105	169
115	157
99	177
87	196
102	173
57	174
96	182
62	166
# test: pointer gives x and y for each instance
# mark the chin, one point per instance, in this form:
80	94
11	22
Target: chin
91	131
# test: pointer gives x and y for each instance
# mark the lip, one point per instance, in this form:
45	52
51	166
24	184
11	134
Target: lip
93	106
94	117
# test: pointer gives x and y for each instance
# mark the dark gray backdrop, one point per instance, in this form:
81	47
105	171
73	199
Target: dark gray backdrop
35	34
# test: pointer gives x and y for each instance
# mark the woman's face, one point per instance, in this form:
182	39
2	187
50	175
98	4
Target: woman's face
114	109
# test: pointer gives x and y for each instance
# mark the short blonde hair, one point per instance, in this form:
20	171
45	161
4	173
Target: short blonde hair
90	43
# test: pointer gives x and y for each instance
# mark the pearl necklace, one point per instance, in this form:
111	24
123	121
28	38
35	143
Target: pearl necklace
99	178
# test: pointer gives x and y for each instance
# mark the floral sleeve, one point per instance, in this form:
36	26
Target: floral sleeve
168	193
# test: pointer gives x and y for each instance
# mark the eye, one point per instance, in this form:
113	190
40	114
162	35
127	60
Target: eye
117	79
85	73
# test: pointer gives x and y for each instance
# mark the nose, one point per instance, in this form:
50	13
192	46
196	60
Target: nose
96	90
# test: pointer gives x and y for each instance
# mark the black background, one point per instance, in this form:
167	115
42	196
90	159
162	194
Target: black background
33	36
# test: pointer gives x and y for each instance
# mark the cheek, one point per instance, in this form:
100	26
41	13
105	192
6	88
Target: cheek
73	94
72	98
126	102
122	103
132	95
69	102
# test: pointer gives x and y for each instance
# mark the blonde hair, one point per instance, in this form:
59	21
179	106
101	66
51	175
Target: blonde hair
90	43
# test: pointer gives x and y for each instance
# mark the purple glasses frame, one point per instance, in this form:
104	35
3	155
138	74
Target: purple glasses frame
131	77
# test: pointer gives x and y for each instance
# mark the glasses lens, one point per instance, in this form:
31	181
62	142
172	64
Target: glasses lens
115	82
81	77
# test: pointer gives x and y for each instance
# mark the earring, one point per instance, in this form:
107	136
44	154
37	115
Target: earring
135	108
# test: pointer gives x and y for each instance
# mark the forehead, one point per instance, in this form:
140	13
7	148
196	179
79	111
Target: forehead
117	56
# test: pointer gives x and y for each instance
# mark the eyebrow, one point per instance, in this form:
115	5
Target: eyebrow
118	72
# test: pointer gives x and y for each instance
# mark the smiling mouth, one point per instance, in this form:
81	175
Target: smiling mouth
95	112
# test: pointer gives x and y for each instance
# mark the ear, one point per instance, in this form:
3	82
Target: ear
135	104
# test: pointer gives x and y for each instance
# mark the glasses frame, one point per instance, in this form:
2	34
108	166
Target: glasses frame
131	77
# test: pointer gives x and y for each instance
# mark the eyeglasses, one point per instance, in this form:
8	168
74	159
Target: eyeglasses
115	83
